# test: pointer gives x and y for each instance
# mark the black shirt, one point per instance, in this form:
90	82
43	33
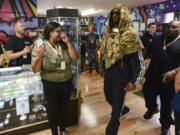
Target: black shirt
158	60
92	41
162	60
147	39
1	52
173	51
83	50
17	44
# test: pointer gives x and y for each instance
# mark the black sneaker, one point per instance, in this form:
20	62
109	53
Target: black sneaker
125	110
172	122
148	115
165	131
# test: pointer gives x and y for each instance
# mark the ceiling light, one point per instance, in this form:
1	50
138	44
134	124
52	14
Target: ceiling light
59	7
62	23
90	11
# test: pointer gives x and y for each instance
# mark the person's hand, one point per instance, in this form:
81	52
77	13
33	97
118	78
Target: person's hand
130	87
27	49
96	50
40	51
147	61
64	37
169	76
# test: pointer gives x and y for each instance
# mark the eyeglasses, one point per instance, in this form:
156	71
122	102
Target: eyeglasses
115	12
172	26
58	31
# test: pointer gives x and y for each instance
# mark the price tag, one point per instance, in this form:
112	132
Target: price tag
22	105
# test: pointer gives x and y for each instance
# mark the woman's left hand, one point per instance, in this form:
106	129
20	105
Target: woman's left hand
64	37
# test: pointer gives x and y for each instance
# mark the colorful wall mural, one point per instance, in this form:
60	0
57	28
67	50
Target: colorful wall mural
157	10
13	10
101	23
141	14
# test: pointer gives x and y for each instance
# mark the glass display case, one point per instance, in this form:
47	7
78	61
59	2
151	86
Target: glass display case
21	99
22	103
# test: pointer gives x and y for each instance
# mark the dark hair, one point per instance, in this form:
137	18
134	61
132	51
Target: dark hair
51	26
149	25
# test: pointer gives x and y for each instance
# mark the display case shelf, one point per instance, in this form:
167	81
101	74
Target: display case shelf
22	102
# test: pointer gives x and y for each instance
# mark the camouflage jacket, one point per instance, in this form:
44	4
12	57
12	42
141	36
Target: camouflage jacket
116	45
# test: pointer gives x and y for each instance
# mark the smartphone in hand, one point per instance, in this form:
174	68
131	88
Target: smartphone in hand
39	42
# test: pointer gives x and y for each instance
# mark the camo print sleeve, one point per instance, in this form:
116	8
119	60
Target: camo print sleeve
131	42
103	44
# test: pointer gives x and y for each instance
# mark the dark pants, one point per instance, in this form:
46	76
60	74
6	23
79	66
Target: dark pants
57	95
150	93
93	56
115	95
166	92
82	63
177	122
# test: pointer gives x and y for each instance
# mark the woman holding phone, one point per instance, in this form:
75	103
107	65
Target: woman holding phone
53	61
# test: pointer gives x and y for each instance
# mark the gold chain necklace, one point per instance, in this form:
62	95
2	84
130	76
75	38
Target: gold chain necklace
165	46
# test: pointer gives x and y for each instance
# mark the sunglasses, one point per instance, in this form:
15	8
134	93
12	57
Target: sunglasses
115	12
172	26
58	31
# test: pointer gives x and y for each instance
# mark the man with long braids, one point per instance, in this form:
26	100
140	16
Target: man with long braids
124	64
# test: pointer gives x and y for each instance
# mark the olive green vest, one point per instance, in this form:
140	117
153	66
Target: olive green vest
51	65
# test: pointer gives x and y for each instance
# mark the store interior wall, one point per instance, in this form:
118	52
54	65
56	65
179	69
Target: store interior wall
13	10
142	16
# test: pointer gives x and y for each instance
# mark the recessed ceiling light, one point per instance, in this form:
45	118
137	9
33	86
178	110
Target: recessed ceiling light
89	12
59	7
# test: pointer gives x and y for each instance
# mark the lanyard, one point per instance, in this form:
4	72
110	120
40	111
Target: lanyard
59	53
